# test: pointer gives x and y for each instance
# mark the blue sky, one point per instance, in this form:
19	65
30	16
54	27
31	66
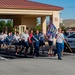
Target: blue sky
68	5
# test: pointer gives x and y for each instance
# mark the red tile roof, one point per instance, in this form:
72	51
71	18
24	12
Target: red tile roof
26	4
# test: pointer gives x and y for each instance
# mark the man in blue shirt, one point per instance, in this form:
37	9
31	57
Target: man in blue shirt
36	39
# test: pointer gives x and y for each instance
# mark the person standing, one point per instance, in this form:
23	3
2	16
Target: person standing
50	42
59	40
36	38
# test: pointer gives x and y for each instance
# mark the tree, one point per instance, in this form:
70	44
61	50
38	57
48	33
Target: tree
37	28
2	24
6	26
61	24
62	27
9	23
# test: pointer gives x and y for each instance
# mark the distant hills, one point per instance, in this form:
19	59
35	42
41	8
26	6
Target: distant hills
69	23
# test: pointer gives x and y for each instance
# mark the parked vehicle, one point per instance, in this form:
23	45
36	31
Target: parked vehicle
70	41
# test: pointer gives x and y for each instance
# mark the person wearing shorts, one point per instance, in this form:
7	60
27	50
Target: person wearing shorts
50	42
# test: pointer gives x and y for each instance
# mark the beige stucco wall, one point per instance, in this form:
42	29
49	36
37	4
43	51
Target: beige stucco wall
17	21
30	22
56	19
23	11
43	23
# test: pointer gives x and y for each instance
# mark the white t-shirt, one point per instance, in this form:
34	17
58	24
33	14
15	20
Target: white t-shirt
50	38
42	35
5	35
16	37
59	38
2	37
25	37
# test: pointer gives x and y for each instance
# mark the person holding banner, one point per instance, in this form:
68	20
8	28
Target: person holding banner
50	42
59	39
51	33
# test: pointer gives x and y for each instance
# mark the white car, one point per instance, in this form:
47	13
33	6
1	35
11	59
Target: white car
71	40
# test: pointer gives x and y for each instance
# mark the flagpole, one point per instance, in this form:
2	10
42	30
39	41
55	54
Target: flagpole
68	46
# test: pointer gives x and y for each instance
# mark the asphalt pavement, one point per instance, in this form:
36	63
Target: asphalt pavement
39	66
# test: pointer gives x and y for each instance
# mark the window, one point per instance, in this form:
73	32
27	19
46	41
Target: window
72	36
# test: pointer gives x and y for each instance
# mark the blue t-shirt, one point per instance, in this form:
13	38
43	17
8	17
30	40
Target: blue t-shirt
63	40
36	38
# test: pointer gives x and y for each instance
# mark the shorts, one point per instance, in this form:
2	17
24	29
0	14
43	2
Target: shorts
50	43
1	42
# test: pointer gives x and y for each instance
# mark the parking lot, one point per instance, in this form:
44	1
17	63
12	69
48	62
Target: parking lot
39	66
10	64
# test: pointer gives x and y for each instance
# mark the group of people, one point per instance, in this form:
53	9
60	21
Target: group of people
34	41
23	41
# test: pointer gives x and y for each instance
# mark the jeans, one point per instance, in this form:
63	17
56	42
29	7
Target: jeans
59	49
26	45
36	51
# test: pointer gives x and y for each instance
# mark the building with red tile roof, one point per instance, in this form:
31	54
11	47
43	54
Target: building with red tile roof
27	4
25	12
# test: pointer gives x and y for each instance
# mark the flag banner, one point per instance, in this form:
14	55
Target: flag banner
51	30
